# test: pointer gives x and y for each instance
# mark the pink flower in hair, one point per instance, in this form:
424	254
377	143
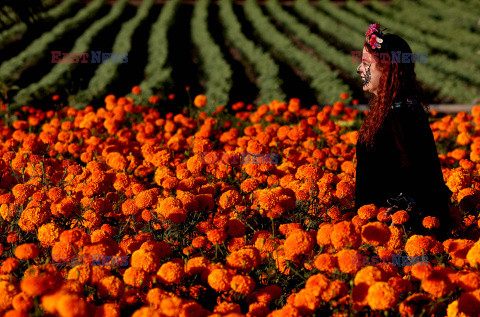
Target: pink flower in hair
373	28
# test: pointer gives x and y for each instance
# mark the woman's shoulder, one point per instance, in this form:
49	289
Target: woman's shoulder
407	104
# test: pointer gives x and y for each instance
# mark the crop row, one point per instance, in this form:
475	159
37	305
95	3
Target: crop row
37	49
264	65
302	32
107	72
61	73
18	29
323	80
157	71
462	15
217	71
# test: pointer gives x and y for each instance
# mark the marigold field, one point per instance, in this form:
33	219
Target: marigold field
122	211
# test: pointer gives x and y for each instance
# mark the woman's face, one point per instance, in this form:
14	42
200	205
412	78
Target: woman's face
369	71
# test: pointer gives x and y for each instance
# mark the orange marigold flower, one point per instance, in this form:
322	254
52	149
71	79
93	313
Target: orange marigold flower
358	223
473	255
195	164
367	212
22	192
73	305
413	304
196	265
146	260
200	101
228	309
375	233
9	265
418	245
110	287
349	261
146	199
235	228
298	242
229	199
396	238
306	301
219	280
266	294
136	90
217	236
317	283
242	284
129	207
468	304
437	284
249	185
431	222
344	234
381	296
421	271
383	216
135	276
171	273
469	282
81	273
108	310
326	262
116	161
8	291
27	251
244	259
370	275
400	217
22	302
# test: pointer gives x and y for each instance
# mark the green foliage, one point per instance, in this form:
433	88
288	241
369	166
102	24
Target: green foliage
108	71
12	68
157	73
12	33
322	79
217	71
322	48
60	75
265	67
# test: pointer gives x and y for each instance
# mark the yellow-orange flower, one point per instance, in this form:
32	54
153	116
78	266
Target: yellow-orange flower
200	101
375	233
219	280
381	296
298	242
242	284
400	217
349	261
368	211
171	273
27	251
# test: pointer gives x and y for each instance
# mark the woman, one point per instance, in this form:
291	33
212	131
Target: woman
397	161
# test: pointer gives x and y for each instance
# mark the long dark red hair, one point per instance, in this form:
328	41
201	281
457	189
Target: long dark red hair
397	82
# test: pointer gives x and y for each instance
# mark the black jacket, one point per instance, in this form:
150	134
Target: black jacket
403	159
